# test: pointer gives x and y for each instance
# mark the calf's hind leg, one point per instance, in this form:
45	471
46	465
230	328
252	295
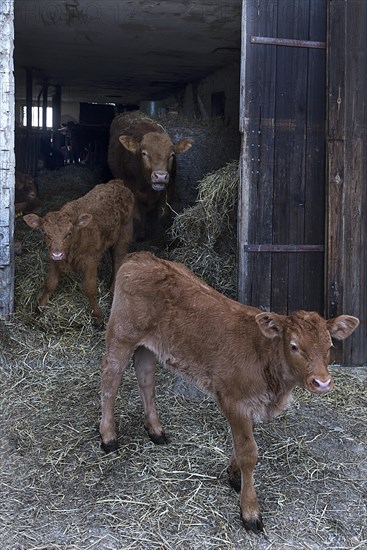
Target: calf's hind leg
114	364
145	363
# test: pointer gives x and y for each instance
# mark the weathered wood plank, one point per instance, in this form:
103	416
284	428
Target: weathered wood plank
315	170
257	105
289	189
347	171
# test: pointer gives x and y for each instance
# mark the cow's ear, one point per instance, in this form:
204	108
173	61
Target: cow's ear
33	220
270	324
342	326
84	219
129	143
183	145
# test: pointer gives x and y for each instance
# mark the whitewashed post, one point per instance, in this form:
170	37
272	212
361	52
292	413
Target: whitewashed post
7	158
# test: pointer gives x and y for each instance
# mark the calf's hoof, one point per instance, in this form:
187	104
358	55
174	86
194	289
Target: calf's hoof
98	324
253	525
161	439
38	310
17	248
110	447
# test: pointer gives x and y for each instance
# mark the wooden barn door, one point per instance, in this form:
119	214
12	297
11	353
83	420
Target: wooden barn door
346	288
282	197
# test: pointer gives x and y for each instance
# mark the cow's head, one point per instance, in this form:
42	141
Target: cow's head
305	338
156	154
59	230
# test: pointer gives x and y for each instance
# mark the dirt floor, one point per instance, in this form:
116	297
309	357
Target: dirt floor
60	491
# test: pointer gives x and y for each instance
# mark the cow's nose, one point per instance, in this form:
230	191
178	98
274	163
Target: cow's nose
321	386
160	176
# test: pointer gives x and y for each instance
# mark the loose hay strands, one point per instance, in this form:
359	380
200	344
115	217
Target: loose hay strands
205	234
59	491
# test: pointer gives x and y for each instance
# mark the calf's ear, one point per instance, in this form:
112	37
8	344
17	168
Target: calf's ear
19	206
183	145
33	220
129	143
342	326
84	219
270	324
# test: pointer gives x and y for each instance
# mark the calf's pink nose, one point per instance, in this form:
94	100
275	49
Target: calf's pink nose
320	386
57	256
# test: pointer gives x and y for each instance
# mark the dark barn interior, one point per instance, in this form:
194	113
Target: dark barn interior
87	61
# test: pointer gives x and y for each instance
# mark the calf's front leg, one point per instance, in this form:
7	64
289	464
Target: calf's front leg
242	466
51	282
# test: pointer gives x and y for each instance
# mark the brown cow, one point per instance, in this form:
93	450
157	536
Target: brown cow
143	155
81	232
247	359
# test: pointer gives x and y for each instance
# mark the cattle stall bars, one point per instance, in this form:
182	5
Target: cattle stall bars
7	165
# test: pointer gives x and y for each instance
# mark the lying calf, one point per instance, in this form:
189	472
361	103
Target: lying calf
81	232
26	201
247	359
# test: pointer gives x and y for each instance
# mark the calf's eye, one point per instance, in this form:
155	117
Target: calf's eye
294	346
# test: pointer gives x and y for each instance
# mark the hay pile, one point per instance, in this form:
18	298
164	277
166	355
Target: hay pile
205	235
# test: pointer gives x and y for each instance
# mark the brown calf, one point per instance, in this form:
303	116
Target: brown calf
26	201
143	155
81	232
26	195
247	359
